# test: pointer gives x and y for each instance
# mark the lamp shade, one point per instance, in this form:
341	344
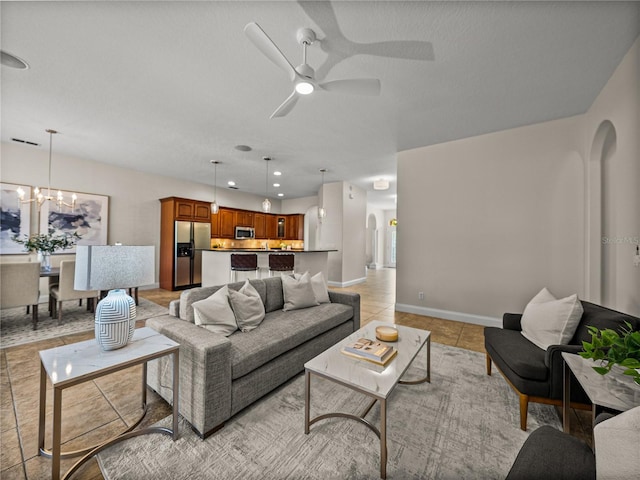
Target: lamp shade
107	267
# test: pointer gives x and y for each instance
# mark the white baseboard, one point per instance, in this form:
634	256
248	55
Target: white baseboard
449	315
347	284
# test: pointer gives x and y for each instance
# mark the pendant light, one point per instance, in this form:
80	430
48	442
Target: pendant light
266	203
40	198
214	205
322	212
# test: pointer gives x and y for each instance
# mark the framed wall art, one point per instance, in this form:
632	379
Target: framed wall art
15	218
89	218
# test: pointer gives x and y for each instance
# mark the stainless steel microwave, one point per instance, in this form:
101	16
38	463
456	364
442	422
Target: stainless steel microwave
244	233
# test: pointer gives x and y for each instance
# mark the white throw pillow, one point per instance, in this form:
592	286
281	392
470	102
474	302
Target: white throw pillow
616	442
298	292
214	313
247	306
549	321
320	288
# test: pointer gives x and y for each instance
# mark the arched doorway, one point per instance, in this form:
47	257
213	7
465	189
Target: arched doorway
602	261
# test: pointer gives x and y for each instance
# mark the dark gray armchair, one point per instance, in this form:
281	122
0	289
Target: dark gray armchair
536	374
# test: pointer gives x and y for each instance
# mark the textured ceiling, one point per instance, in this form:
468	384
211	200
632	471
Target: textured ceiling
168	86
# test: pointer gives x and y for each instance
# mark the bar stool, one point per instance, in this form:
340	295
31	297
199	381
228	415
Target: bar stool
281	262
243	262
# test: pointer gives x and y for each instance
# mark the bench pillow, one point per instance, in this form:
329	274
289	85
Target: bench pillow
215	314
298	292
247	307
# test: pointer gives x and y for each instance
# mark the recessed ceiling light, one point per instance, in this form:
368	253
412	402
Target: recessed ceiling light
12	61
243	148
277	174
276	185
281	194
231	183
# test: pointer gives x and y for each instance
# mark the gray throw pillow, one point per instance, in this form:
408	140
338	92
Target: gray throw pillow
320	288
298	292
247	306
214	313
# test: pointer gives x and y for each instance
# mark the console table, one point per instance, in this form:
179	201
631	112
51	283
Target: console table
76	363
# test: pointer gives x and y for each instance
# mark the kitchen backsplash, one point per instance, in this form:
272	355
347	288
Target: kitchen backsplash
256	244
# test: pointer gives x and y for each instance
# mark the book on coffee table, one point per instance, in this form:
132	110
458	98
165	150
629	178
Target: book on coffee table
370	350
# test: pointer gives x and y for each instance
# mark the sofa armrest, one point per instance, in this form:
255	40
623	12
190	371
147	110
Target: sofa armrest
348	298
511	321
553	360
174	308
205	372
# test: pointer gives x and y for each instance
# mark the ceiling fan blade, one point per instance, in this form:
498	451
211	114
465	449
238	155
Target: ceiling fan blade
405	49
286	106
355	86
261	40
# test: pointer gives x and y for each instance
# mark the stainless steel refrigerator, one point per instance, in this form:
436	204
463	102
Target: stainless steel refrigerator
191	238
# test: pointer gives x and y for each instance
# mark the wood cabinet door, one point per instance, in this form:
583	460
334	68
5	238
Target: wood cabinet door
184	209
202	212
244	218
227	223
260	225
215	225
272	226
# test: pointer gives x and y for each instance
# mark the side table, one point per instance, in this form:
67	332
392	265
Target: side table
77	363
613	390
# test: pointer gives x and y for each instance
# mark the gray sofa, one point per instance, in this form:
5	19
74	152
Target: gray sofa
219	376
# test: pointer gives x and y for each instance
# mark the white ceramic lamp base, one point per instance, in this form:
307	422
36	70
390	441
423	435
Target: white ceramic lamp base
115	320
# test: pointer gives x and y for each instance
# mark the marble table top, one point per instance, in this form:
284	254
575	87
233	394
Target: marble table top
69	363
366	376
613	390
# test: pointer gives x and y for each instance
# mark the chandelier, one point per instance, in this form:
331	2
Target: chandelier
40	197
214	205
322	212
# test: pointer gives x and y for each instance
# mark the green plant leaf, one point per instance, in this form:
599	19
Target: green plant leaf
601	370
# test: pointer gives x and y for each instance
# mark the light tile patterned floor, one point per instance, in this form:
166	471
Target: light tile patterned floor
97	410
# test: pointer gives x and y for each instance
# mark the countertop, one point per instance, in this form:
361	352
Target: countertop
262	250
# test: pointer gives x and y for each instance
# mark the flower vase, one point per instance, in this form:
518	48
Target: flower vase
115	320
45	261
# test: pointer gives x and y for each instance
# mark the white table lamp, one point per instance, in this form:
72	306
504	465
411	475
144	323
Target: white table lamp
114	268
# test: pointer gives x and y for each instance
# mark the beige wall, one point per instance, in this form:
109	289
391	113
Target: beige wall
484	223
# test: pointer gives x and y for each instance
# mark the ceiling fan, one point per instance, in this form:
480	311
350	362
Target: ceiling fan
303	76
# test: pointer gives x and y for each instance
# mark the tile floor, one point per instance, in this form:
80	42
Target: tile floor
99	409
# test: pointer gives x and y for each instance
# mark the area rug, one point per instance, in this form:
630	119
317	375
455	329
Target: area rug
16	327
462	425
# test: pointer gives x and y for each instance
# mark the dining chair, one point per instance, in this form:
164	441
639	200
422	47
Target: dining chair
20	286
64	290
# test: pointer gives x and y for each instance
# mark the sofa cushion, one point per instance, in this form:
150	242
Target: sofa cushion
320	288
298	292
550	321
247	307
510	348
281	331
215	314
274	299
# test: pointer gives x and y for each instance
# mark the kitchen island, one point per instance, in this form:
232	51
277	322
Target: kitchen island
216	264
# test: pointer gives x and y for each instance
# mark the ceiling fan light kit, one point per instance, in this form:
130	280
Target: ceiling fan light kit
303	76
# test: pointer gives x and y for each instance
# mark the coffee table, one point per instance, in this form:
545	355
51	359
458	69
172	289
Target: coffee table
613	390
76	363
365	377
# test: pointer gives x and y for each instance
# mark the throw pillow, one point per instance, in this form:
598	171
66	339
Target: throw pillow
616	444
320	288
214	313
247	306
550	321
298	292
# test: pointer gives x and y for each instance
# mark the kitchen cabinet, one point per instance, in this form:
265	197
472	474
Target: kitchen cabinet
190	210
227	228
281	231
272	226
295	227
260	224
215	224
244	218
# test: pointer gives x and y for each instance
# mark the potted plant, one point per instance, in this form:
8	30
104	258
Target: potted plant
47	243
614	348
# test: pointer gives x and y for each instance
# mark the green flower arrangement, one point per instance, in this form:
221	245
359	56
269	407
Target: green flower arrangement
611	348
47	242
